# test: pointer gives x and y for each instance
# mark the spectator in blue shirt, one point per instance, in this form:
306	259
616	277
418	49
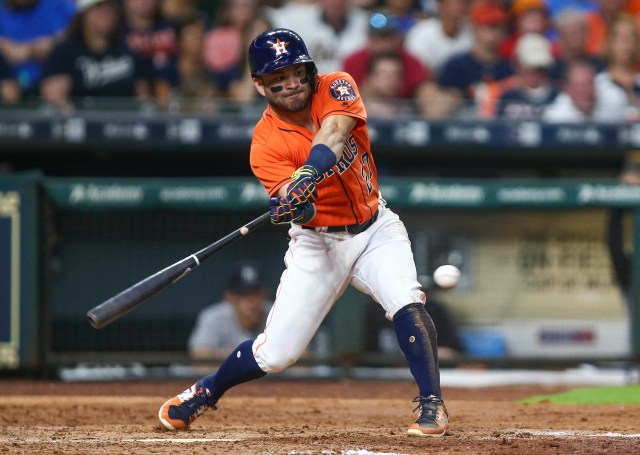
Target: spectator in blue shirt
28	31
467	84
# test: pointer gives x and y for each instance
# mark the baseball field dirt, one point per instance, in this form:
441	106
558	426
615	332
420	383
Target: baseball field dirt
300	417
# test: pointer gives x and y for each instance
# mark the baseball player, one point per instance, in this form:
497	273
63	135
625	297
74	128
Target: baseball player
312	152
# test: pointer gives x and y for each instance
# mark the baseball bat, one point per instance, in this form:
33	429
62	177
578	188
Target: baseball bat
120	304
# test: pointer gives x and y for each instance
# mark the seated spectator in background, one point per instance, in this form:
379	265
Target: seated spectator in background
531	89
9	89
385	36
180	11
93	60
331	29
577	101
468	83
240	316
527	16
600	21
28	31
382	89
406	11
436	39
242	90
571	45
618	86
225	45
153	40
197	88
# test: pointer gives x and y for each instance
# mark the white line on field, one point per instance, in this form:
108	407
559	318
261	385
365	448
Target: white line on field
185	440
101	441
343	452
565	433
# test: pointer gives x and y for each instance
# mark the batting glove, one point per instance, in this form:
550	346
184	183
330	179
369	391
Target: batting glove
284	211
302	189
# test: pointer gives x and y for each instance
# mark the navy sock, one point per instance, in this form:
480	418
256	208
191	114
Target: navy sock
417	338
238	368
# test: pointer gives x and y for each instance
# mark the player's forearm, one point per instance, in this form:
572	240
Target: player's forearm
334	132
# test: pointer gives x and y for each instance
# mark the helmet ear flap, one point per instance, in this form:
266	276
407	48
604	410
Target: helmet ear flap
312	73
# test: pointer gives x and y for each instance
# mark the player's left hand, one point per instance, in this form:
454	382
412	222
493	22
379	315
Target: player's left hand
284	210
302	189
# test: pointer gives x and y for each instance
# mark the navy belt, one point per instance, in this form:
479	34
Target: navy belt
350	228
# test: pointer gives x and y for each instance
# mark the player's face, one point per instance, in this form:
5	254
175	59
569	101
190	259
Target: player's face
286	89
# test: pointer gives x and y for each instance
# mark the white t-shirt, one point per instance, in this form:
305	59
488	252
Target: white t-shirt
327	47
428	43
217	328
613	100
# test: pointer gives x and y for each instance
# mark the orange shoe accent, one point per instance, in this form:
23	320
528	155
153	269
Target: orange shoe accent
433	419
180	411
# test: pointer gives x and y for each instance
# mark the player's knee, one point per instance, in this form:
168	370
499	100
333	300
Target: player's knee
411	309
275	362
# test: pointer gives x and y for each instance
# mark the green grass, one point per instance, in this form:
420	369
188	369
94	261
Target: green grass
591	395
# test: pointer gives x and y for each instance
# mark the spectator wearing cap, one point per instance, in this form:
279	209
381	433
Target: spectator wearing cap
436	39
467	86
385	36
92	61
28	31
240	315
532	89
407	11
527	16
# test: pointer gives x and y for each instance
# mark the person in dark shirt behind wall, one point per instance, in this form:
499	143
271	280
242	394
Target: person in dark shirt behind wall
531	89
154	41
92	61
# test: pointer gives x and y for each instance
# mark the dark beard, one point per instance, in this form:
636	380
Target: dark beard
281	104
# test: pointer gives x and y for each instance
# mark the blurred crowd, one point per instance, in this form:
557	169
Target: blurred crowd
555	60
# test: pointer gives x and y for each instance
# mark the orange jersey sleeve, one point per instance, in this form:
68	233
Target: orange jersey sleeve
348	193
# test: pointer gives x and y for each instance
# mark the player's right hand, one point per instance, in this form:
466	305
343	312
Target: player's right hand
285	210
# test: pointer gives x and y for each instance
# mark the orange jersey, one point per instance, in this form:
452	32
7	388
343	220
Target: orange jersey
348	192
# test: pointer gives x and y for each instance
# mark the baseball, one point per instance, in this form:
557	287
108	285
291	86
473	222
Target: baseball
446	276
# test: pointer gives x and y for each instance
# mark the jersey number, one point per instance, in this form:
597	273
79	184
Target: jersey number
367	173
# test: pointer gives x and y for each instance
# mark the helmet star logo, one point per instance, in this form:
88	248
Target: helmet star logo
280	47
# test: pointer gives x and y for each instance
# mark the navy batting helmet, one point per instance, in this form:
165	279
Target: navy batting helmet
277	48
